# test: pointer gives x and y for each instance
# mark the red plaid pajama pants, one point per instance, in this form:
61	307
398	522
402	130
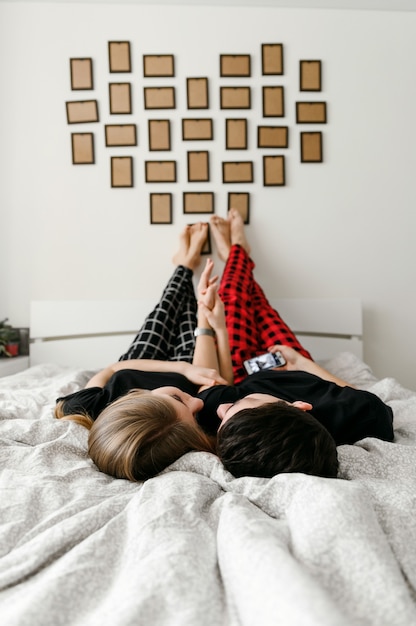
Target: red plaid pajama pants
252	324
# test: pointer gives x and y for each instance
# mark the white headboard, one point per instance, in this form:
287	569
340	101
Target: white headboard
92	334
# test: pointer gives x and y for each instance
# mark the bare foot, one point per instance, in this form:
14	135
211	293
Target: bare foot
184	239
220	229
191	243
237	230
199	234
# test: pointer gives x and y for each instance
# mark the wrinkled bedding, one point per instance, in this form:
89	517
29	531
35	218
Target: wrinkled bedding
194	546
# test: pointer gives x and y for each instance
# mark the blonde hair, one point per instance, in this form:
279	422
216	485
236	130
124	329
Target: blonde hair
138	435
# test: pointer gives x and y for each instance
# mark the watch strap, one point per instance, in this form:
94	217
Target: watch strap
204	331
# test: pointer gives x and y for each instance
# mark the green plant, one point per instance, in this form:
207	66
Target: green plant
8	335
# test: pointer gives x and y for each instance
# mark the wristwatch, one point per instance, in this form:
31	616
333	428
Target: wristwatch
204	331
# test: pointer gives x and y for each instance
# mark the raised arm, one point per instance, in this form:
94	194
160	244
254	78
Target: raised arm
212	349
215	318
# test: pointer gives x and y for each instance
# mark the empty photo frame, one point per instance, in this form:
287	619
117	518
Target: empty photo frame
235	98
82	112
159	97
161	208
311	147
273	101
159	134
82	148
235	65
272	137
274	170
81	74
241	202
198	167
122	171
310	76
158	65
119	56
197	93
120	135
272	59
236	134
197	129
198	202
160	171
241	172
311	112
120	98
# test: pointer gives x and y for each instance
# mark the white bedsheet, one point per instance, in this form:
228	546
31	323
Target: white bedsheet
194	546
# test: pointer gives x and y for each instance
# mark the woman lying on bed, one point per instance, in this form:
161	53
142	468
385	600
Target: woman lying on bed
286	420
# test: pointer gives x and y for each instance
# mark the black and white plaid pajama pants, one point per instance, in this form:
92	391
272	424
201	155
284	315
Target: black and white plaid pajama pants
167	333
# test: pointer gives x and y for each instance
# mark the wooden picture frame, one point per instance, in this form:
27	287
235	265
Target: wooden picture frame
238	65
197	129
161	208
273	101
274	170
119	58
311	147
120	98
311	112
198	167
122	171
160	171
272	136
82	111
82	148
194	202
272	59
235	98
81	74
310	75
241	202
197	93
237	172
120	135
158	65
159	135
159	98
236	134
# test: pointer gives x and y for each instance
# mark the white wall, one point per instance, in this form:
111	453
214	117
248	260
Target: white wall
342	228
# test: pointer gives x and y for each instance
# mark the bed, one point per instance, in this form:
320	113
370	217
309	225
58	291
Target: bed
194	546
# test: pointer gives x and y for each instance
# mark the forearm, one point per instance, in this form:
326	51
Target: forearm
306	365
145	365
297	362
205	353
224	355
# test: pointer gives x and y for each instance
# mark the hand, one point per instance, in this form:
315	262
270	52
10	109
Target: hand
203	375
294	360
213	314
205	282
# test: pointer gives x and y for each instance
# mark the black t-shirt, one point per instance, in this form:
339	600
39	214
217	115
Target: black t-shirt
94	399
348	414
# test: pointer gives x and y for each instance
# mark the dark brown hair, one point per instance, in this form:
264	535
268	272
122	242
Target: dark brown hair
274	438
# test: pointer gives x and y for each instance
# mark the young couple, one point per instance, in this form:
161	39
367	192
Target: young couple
182	386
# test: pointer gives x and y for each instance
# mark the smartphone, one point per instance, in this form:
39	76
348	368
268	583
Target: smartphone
264	362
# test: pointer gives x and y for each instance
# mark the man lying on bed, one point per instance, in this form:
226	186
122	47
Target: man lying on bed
285	420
